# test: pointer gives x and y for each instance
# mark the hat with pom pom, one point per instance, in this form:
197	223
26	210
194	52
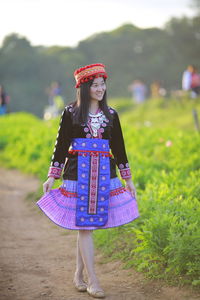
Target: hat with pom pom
89	72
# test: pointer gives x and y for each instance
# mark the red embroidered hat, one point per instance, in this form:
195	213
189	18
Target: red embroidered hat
89	72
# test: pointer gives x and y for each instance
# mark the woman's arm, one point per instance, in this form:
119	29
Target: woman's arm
119	152
62	144
118	148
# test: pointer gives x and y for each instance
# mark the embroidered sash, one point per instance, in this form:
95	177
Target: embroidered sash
93	181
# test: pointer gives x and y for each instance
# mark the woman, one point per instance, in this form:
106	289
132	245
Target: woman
195	83
4	100
91	196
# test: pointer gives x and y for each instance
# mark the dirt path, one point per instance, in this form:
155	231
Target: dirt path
37	258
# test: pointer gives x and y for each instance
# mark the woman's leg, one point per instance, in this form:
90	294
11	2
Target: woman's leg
79	264
87	252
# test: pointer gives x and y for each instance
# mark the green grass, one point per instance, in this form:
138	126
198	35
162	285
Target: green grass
163	150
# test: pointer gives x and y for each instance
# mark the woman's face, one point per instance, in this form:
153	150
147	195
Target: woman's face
97	89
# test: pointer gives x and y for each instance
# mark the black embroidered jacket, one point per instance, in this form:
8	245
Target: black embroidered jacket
110	130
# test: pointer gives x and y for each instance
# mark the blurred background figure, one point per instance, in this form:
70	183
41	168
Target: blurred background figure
187	78
53	91
138	90
55	100
195	83
157	90
4	100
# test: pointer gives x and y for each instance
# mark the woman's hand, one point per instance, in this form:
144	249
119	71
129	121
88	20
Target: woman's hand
48	185
130	186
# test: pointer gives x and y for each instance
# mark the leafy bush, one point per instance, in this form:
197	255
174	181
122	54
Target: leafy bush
163	150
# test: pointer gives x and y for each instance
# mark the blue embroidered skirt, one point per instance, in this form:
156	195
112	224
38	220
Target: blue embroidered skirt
94	201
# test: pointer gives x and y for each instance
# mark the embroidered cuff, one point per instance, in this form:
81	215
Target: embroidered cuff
125	173
54	172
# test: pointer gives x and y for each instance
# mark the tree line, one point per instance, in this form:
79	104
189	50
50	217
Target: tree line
128	52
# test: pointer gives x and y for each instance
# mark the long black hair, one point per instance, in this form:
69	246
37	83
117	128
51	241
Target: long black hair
81	105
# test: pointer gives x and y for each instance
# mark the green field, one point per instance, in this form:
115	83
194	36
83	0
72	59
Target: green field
163	150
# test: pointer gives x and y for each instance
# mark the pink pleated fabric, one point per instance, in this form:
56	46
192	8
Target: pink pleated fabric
61	208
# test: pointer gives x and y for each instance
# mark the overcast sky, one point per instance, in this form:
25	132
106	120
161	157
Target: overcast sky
66	22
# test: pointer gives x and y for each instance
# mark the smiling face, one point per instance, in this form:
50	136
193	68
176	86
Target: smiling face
97	89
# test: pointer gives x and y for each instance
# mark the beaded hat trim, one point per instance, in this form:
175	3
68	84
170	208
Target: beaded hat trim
89	72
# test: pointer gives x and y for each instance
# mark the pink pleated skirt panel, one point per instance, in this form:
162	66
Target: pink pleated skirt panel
60	206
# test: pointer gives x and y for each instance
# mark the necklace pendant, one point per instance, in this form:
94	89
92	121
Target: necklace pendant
95	133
